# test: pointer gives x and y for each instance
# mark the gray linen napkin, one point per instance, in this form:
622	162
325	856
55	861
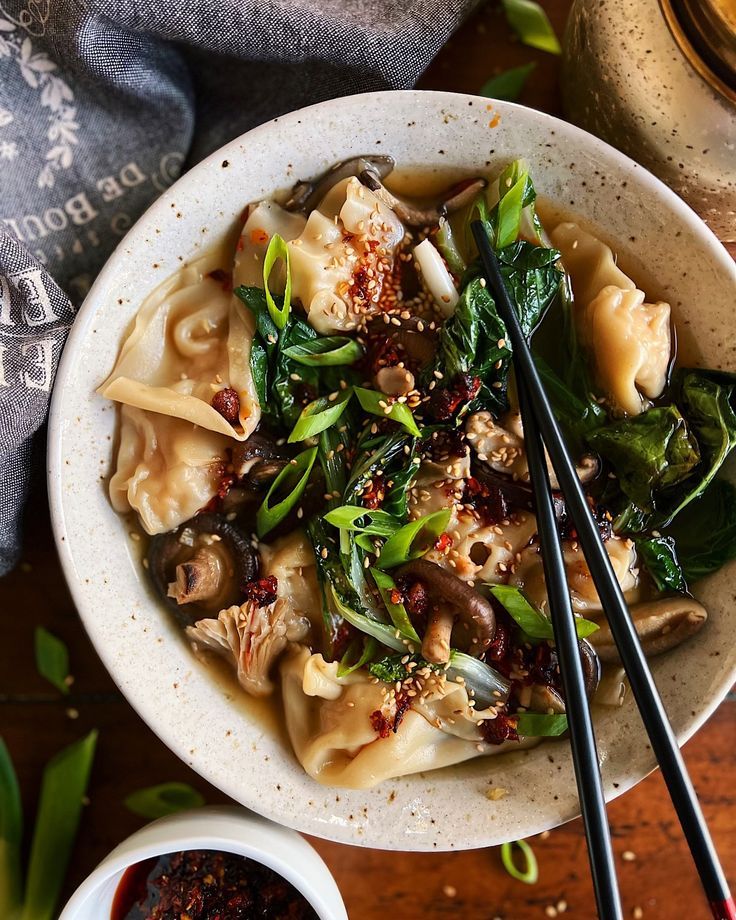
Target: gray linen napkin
104	102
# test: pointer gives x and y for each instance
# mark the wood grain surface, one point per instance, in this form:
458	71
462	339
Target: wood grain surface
657	878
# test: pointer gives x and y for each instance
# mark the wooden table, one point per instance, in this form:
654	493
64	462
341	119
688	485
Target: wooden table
659	880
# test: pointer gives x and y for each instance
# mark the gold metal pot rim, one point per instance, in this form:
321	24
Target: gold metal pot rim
705	31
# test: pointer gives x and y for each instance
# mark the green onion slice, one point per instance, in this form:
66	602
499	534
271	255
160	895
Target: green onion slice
397	612
530	873
352	661
540	725
52	659
11	833
277	249
379	404
532	25
413	540
290	483
331	350
508	85
63	788
320	414
165	799
509	212
362	520
534	623
382	632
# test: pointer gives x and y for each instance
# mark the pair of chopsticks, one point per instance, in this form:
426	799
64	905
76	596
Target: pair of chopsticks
540	430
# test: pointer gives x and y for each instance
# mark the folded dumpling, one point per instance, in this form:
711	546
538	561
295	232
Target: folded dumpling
340	261
629	340
264	220
167	468
341	728
191	338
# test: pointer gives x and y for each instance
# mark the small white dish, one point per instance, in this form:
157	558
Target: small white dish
204	720
227	829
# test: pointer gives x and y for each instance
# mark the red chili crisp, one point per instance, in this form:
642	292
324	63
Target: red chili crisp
227	403
262	591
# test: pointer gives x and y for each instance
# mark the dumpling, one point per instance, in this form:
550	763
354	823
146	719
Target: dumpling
333	725
631	346
263	221
499	444
529	574
630	340
341	259
589	262
291	561
251	638
167	468
191	338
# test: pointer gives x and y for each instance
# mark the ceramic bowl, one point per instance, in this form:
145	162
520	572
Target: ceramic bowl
203	719
226	829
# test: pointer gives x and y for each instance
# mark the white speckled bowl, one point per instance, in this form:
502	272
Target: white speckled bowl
185	703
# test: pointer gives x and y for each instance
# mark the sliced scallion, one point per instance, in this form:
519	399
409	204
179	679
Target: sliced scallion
63	789
508	85
530	873
447	246
540	725
285	491
362	520
320	414
11	833
352	660
277	249
509	213
534	623
164	799
382	632
52	659
413	540
399	617
379	404
530	22
329	351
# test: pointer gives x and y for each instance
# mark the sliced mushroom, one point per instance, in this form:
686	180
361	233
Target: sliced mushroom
661	625
544	698
258	460
413	216
305	196
587	469
457	608
394	381
201	566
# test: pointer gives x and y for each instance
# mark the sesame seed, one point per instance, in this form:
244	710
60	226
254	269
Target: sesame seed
449	891
628	856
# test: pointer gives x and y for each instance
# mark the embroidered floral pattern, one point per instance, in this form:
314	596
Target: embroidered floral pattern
39	72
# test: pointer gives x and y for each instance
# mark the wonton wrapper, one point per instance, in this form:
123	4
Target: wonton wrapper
167	469
337	744
630	340
190	339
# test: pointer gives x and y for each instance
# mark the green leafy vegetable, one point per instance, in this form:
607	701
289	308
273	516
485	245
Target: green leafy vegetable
470	337
394	667
448	248
63	788
11	833
285	491
538	725
649	452
413	540
379	404
532	25
331	350
399	617
52	659
534	623
164	799
516	192
356	656
277	249
578	415
321	413
289	380
509	84
530	873
351	517
659	555
705	532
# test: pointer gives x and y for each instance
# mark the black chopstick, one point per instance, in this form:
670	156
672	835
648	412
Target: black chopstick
582	737
656	722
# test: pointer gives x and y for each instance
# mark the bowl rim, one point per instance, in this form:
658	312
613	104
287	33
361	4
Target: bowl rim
238	831
87	312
